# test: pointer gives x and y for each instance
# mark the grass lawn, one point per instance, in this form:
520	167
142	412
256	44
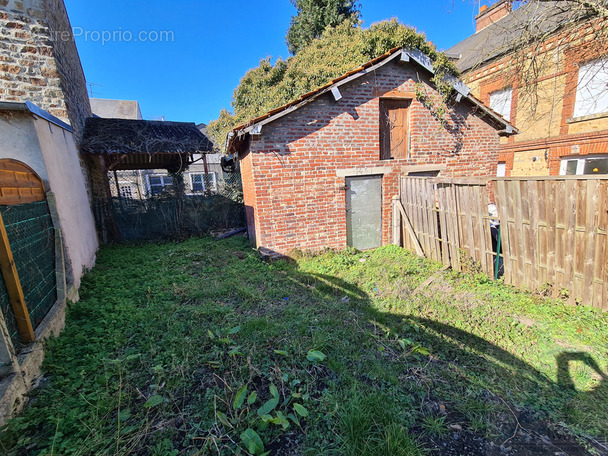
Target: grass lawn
201	347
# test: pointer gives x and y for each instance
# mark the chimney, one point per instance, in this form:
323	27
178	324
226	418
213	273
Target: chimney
489	15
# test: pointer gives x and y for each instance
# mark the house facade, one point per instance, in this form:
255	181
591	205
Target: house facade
544	67
322	171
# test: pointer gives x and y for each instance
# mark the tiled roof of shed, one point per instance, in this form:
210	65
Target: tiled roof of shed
318	90
238	134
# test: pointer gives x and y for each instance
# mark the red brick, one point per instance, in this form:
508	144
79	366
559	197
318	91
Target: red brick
292	195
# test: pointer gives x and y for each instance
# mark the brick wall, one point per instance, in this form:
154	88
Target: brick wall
494	13
39	61
543	101
290	176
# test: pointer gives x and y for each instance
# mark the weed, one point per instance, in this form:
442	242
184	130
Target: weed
434	426
201	347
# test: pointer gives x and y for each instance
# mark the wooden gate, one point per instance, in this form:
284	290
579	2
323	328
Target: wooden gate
449	218
27	251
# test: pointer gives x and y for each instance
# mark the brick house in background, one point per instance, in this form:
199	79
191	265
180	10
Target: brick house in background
554	88
322	170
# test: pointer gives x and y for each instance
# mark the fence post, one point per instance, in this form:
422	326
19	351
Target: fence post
13	287
396	222
61	272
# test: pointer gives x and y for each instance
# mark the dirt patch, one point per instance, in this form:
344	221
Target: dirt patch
528	437
524	320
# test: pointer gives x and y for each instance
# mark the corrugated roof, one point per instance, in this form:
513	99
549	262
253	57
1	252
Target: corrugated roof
535	18
125	136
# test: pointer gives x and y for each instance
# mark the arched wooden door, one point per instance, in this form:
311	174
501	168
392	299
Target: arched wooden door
27	251
19	184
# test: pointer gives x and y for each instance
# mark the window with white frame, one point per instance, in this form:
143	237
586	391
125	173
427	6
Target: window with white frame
500	101
592	89
159	183
597	164
202	182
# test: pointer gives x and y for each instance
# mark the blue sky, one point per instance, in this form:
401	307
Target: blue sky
190	73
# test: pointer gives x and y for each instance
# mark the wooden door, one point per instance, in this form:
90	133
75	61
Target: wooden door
394	129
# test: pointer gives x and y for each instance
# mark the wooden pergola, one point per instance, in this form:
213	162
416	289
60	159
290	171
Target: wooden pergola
111	145
125	144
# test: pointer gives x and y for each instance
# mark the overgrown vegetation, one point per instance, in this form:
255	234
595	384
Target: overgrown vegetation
338	50
314	16
201	347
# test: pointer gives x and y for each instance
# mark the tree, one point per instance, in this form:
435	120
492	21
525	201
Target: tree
314	16
338	50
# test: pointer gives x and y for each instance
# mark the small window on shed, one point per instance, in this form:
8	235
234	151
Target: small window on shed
394	128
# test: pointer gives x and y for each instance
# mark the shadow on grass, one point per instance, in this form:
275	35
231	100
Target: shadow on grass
150	319
482	362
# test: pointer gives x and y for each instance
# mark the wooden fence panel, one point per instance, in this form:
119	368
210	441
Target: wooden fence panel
554	230
447	217
557	230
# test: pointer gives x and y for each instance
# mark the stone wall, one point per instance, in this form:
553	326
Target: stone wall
39	61
294	175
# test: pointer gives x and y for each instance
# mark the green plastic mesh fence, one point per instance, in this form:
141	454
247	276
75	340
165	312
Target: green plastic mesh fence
9	316
32	239
152	204
163	217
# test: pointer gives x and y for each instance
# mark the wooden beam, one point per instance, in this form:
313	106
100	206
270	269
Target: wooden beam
13	287
398	94
396	227
117	186
410	229
206	180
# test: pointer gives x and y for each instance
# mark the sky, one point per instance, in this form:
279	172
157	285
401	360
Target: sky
182	59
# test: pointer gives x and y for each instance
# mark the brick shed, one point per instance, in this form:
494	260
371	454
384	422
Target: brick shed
322	170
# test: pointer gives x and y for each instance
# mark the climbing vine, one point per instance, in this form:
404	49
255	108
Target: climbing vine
339	50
